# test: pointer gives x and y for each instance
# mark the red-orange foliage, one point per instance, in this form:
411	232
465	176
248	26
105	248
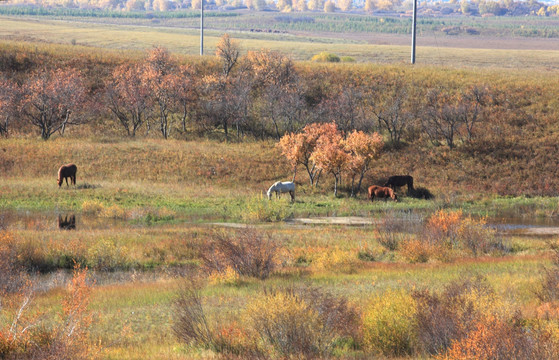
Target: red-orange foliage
494	339
322	147
26	337
362	148
77	318
330	155
298	148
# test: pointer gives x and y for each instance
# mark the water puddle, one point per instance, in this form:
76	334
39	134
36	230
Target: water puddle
28	220
68	221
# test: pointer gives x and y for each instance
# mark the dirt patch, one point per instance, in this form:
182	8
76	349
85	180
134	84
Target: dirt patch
335	220
538	231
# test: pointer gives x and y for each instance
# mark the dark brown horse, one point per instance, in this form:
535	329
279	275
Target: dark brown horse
381	192
400	180
65	172
67	223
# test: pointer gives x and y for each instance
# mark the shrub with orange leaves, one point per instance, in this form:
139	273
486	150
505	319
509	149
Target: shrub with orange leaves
26	337
494	338
77	318
330	155
363	149
415	250
448	229
442	227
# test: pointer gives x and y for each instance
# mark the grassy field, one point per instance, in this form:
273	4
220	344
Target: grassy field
300	47
151	214
139	227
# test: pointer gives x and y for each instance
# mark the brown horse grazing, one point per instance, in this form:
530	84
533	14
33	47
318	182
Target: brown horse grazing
400	180
381	192
65	172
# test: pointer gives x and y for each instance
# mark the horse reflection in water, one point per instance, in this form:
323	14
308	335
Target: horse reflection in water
67	223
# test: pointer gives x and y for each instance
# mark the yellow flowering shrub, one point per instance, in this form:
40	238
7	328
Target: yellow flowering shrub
286	324
389	324
335	260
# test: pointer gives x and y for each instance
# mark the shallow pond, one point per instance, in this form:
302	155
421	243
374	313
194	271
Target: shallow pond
29	220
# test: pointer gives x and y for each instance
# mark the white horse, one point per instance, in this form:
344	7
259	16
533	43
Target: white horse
282	187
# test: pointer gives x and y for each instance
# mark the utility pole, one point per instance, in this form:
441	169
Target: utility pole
202	28
413	31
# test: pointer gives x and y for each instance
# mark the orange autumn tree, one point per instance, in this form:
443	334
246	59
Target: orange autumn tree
298	148
330	154
363	149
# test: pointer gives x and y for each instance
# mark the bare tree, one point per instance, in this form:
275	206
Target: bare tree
227	50
344	107
128	97
185	94
440	119
276	88
9	96
50	100
161	79
391	108
471	107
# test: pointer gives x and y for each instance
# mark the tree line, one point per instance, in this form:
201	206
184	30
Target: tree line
262	95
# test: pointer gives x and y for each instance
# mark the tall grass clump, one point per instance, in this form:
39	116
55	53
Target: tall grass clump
107	255
335	260
263	210
248	252
92	207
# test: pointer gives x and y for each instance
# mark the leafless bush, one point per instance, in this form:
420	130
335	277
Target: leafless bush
249	252
193	327
389	232
302	323
549	287
191	324
446	317
335	312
